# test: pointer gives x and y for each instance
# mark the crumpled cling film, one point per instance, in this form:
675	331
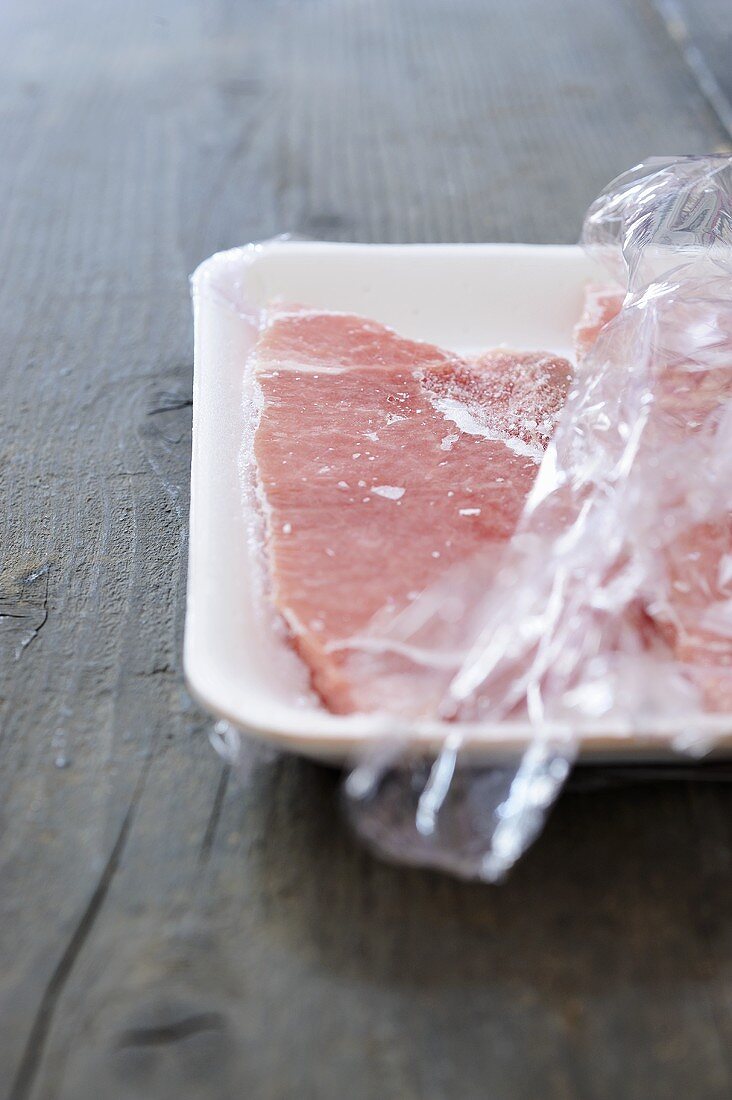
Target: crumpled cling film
611	607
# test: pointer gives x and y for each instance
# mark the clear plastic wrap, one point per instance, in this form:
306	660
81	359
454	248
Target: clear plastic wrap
612	603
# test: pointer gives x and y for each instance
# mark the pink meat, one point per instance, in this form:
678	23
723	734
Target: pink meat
381	463
602	303
692	602
695	617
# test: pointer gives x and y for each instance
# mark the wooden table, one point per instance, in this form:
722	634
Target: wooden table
168	931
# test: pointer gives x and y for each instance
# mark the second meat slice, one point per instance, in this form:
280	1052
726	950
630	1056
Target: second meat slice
381	462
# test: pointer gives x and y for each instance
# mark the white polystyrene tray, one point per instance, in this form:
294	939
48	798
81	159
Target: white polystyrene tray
462	297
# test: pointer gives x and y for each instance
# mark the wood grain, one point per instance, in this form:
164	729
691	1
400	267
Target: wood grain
703	35
167	929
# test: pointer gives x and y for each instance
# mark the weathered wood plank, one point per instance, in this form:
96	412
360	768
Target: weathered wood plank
703	34
166	931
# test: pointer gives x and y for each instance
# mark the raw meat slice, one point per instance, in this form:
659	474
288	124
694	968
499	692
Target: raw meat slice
696	615
691	601
693	607
602	303
381	462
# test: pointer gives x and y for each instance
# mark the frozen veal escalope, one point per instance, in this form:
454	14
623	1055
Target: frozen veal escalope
381	463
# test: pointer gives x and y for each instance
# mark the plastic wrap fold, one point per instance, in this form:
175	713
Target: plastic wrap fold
612	603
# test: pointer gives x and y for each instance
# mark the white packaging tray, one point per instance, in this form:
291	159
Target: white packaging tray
462	297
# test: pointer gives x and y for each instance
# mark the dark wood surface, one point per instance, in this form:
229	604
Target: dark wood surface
167	930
